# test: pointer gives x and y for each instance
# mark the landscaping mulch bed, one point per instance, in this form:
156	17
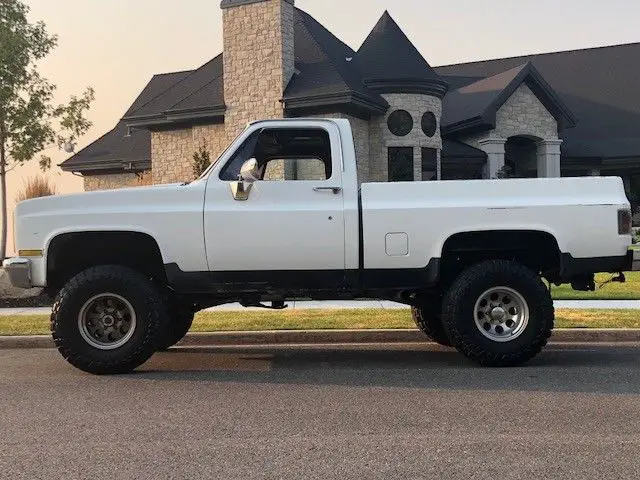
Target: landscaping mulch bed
41	300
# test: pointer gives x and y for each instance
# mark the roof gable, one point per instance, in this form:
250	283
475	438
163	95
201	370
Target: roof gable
598	84
476	104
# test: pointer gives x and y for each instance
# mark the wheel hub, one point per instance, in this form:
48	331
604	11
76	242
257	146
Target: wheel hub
498	314
107	321
501	314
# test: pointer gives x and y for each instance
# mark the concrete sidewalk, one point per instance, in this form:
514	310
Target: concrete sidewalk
376	304
328	337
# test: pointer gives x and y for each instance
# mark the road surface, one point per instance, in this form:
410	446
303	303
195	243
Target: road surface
388	412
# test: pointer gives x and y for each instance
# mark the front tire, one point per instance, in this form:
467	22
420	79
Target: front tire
108	320
498	313
180	321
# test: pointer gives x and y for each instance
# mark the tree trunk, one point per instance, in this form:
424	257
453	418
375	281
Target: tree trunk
3	194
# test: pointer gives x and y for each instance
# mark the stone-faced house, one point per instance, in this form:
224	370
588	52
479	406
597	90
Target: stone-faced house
568	113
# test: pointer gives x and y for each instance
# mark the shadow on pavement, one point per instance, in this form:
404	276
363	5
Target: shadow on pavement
563	368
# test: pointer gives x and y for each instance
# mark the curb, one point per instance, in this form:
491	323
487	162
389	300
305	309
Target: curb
296	337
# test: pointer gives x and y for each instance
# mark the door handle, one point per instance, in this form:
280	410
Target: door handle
335	190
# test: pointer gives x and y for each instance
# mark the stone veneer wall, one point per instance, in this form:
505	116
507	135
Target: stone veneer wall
360	129
381	138
172	151
259	61
116	180
522	114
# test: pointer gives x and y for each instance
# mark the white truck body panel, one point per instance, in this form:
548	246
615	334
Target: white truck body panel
581	213
283	226
171	214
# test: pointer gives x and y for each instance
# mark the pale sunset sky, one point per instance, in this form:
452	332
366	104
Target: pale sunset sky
117	45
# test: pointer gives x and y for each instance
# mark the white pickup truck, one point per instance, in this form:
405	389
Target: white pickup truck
129	268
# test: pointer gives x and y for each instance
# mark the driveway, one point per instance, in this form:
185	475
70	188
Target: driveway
388	412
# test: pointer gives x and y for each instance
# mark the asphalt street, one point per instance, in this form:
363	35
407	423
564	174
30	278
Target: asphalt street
388	412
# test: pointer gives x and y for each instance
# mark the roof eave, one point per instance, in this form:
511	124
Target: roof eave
332	99
477	123
431	86
177	116
109	166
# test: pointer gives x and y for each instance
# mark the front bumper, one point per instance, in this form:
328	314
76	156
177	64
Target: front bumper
19	271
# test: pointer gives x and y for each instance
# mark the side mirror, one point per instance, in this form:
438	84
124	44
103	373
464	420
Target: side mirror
249	173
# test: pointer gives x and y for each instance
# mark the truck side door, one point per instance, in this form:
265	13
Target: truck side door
290	231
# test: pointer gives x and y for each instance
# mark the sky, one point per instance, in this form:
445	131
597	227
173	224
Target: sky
116	46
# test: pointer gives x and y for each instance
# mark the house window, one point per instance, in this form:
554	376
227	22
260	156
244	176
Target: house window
295	169
451	168
429	164
400	164
429	124
400	123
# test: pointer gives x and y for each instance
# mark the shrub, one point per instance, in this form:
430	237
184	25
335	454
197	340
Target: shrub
35	187
201	161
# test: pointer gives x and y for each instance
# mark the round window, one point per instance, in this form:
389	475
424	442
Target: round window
400	123
429	124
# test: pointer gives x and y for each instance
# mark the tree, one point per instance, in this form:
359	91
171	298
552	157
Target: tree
201	161
29	120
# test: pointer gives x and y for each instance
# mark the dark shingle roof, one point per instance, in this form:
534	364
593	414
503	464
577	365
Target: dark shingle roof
476	104
200	93
454	149
599	85
116	148
389	62
326	71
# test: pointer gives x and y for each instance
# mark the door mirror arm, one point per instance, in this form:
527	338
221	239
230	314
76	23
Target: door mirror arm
249	173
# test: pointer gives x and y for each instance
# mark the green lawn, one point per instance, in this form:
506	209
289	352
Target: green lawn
611	291
330	319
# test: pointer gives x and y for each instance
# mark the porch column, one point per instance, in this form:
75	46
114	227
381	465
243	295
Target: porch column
549	158
494	148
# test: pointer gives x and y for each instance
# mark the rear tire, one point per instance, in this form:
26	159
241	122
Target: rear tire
498	313
108	320
428	319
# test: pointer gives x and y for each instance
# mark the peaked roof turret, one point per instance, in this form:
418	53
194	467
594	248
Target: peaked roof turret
390	63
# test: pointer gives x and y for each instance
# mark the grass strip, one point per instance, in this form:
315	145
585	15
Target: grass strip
630	290
326	319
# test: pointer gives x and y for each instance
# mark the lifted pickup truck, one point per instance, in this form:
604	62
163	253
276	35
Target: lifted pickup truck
281	215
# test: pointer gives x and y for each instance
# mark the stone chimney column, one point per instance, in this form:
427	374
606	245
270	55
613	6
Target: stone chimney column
258	59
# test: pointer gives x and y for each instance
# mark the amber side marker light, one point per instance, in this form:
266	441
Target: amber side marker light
29	253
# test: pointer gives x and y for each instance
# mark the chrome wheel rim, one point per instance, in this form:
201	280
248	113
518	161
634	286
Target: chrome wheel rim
501	314
107	321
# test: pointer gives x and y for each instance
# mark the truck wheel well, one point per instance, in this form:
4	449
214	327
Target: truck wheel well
70	253
537	250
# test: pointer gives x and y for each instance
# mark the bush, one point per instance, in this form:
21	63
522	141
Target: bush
201	161
35	187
